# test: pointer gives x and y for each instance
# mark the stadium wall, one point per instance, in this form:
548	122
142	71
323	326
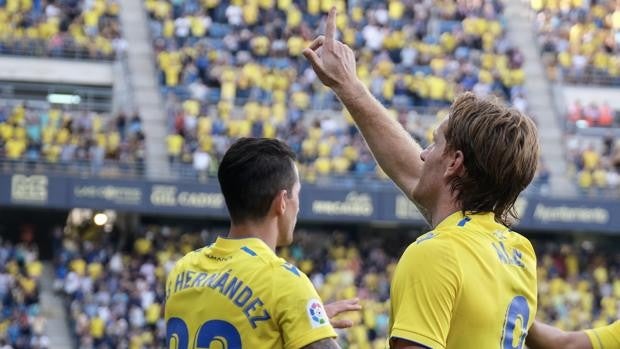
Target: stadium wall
56	71
588	94
318	203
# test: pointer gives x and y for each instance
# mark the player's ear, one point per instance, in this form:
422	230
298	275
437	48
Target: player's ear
456	166
279	202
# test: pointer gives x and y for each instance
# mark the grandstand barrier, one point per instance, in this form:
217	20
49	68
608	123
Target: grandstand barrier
318	203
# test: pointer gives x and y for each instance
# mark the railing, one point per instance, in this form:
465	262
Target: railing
589	76
76	168
41	49
92	98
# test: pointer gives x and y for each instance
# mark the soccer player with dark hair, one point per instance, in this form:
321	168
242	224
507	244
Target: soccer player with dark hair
236	293
471	281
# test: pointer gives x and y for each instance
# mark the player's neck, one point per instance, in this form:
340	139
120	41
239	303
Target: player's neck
259	230
443	210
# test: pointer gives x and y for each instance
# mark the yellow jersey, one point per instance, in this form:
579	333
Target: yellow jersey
606	337
469	283
236	293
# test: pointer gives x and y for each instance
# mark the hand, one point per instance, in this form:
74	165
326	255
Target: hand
335	308
334	64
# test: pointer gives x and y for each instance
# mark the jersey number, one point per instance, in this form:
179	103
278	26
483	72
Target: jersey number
218	332
518	314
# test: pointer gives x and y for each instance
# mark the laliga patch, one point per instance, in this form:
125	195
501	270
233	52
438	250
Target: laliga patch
317	314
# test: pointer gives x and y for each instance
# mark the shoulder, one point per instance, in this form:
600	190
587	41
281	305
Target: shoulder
522	243
284	271
187	260
429	247
288	280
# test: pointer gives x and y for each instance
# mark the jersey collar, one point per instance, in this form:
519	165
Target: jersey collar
457	219
249	245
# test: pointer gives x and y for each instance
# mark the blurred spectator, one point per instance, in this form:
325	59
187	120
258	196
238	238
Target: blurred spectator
116	295
595	164
541	182
21	323
592	115
72	138
58	28
580	40
579	285
231	69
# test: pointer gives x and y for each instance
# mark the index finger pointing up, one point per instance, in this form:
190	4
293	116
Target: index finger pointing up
330	29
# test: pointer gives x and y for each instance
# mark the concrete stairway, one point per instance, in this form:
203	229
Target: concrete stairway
521	32
145	88
52	307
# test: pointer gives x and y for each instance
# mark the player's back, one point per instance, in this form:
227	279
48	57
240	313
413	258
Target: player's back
239	294
482	291
498	296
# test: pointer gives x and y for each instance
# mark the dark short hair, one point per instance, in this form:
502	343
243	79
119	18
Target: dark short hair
252	173
500	150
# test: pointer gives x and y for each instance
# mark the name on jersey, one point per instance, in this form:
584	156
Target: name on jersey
229	286
514	257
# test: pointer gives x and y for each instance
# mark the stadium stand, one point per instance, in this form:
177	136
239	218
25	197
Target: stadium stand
62	29
115	296
592	115
78	140
230	69
595	164
21	321
579	40
578	285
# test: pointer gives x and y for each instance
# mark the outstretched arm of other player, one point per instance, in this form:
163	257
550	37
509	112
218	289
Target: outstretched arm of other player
328	343
541	336
393	148
335	308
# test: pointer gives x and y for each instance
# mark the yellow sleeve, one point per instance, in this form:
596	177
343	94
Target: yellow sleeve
299	310
606	337
424	289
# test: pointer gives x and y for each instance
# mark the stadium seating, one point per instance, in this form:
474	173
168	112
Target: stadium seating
578	285
595	164
230	69
116	297
592	115
21	321
74	139
579	40
74	29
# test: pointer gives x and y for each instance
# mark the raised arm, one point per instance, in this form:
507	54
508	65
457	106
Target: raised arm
393	148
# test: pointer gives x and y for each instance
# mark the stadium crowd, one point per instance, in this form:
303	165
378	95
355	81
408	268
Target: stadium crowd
61	28
580	40
116	296
70	137
578	284
231	68
595	163
22	323
592	115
